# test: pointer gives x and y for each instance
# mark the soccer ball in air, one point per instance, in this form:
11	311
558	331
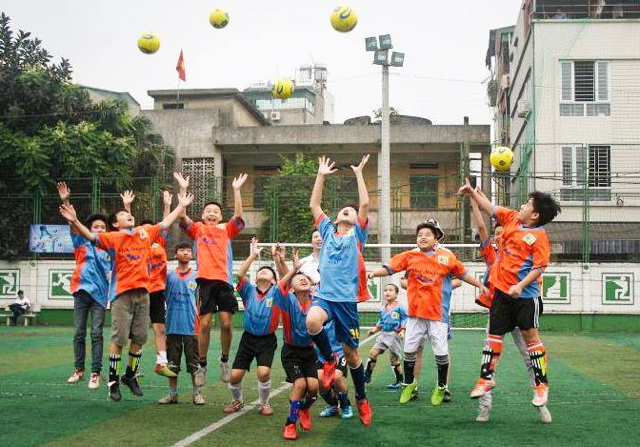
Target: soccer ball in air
218	18
501	158
344	19
148	43
283	88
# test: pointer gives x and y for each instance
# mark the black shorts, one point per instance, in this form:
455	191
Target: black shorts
259	347
176	344
216	296
157	307
299	362
340	366
507	313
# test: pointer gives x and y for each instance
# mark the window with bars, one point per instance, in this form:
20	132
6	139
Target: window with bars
585	89
423	191
586	164
202	180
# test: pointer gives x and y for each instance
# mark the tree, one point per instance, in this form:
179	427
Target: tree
377	114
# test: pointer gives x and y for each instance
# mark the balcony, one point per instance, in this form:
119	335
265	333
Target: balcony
585	9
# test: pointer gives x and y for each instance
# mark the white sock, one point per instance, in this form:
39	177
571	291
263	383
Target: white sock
264	389
196	390
236	392
161	358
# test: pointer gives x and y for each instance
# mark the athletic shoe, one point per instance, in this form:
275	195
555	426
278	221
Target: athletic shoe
225	372
438	395
545	415
164	370
394	385
540	395
265	409
233	406
290	432
200	376
483	413
171	398
329	373
94	381
304	417
114	391
198	399
329	411
367	377
132	384
447	396
346	413
483	386
76	376
365	412
409	392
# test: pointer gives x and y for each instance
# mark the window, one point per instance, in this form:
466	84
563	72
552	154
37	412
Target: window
423	192
591	165
173	106
202	180
585	88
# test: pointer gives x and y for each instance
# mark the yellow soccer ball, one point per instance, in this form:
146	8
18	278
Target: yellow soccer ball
283	88
148	43
344	19
501	158
218	18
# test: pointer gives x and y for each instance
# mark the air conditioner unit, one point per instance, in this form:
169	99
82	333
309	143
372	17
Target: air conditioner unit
504	82
275	116
523	108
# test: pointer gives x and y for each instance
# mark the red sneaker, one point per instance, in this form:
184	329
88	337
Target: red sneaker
329	373
290	432
304	416
365	412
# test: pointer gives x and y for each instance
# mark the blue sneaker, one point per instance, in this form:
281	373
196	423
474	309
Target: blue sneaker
346	413
328	412
394	385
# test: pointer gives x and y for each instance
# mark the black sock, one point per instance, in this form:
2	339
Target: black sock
397	372
408	371
357	375
202	363
134	362
330	398
343	398
321	339
114	367
224	358
371	364
310	400
442	361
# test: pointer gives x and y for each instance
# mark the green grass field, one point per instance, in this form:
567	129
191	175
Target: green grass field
595	400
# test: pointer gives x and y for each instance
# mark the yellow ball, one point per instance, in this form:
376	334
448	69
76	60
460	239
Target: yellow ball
501	158
218	18
148	43
283	88
344	19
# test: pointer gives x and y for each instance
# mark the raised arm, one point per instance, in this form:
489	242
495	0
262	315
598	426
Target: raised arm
286	279
127	199
183	182
363	194
380	271
69	213
482	201
237	196
479	220
166	199
183	202
325	167
254	252
278	254
474	282
65	193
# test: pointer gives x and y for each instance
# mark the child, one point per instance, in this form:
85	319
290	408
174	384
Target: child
90	289
258	341
183	324
293	298
488	249
343	282
392	323
523	256
429	294
215	262
129	248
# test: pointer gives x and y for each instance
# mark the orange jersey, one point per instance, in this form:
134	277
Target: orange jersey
429	289
130	251
158	263
522	250
213	248
489	254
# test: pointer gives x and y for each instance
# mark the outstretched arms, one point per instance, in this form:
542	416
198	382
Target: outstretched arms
363	194
481	200
325	167
237	196
69	213
65	193
183	182
254	252
127	199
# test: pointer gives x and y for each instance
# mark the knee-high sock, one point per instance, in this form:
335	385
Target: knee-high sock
264	390
294	408
343	398
538	355
409	365
491	356
114	367
308	402
357	375
398	372
371	364
134	362
321	339
236	391
442	361
330	398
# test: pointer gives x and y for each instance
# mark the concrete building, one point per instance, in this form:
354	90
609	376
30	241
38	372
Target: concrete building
573	103
99	94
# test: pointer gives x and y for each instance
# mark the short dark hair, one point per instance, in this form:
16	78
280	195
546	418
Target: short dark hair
183	246
213	202
315	230
424	225
546	206
20	292
349	205
113	218
395	287
273	272
93	217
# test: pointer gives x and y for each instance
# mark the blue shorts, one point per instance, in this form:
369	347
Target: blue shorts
345	317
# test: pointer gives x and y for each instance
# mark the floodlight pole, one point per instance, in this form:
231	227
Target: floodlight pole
384	171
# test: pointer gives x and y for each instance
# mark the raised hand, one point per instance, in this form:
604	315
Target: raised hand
360	167
63	191
255	250
69	213
466	188
239	181
127	198
166	198
325	166
278	251
182	181
185	199
296	259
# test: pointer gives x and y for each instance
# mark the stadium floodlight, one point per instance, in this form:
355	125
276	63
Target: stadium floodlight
371	43
397	59
385	42
381	57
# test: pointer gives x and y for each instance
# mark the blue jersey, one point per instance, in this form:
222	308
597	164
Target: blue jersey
342	270
182	311
393	320
93	266
336	346
261	317
294	316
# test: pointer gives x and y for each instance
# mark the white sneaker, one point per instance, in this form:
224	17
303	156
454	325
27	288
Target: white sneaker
94	381
225	372
483	413
200	376
545	414
76	376
540	395
198	399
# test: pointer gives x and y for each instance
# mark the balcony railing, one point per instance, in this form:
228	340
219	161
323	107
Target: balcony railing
585	9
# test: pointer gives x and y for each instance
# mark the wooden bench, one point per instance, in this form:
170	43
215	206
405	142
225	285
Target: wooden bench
31	315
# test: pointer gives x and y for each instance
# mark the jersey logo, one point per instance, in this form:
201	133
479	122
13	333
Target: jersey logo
529	239
143	233
395	315
155	245
444	260
192	285
269	302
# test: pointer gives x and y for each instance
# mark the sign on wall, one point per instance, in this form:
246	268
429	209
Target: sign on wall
9	283
556	288
617	288
60	284
374	289
50	239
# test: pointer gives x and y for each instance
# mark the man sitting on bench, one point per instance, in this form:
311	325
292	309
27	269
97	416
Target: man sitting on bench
19	307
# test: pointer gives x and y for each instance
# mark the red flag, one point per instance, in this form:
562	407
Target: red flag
180	68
